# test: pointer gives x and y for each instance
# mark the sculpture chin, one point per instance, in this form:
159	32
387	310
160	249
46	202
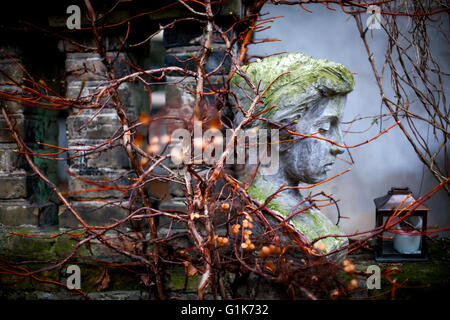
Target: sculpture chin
315	179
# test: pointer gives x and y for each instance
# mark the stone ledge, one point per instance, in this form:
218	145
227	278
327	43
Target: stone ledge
18	212
13	185
93	213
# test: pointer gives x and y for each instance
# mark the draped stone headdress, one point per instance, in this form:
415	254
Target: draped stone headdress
306	82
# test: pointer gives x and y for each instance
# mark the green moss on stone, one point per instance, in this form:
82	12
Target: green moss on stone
177	278
430	279
304	80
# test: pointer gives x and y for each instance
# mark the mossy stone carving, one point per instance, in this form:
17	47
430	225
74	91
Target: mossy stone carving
309	96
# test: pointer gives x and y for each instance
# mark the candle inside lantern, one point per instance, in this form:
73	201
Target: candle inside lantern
408	240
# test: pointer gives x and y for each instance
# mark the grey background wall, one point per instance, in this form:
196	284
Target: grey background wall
386	162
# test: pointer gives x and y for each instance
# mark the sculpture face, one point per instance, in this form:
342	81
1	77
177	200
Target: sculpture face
308	160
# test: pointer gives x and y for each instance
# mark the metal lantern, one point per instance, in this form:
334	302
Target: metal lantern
401	244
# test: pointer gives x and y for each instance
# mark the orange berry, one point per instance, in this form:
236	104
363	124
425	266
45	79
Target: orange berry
144	118
225	207
144	161
346	262
319	246
352	285
334	294
244	245
350	268
265	250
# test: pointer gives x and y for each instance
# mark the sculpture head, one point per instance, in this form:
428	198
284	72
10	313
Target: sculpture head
310	99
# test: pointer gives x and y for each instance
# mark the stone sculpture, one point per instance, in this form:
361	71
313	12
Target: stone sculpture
310	98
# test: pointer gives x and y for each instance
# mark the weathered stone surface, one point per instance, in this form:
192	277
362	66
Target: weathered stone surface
125	91
10	49
106	182
13	106
90	66
13	71
5	134
85	66
310	97
306	81
18	212
104	126
178	204
9	157
115	157
13	185
179	96
93	213
164	222
176	189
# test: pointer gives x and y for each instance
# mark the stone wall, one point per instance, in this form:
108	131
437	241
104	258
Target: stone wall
27	205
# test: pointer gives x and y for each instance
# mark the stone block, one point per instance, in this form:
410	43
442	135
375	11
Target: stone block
5	133
9	159
18	212
176	204
90	88
84	66
11	69
93	213
105	157
13	185
10	49
13	106
99	183
101	127
90	66
179	96
176	189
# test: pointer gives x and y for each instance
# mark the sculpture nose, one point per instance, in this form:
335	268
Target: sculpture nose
335	150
